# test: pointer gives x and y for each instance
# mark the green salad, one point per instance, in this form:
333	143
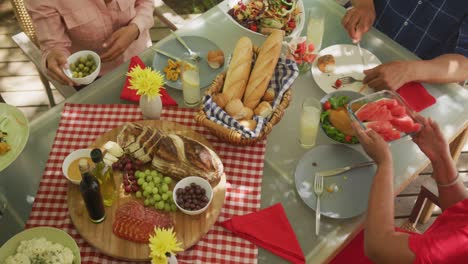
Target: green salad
336	105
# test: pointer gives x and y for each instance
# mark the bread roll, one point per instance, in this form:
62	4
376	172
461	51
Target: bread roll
220	99
263	69
269	95
264	109
326	63
215	58
248	113
249	124
239	69
235	108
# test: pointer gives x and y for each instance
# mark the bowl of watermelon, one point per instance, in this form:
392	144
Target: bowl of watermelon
335	119
386	113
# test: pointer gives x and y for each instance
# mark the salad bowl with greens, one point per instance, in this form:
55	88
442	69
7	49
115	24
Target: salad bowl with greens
334	118
261	16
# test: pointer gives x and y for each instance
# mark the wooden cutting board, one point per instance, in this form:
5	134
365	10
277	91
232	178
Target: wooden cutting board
189	229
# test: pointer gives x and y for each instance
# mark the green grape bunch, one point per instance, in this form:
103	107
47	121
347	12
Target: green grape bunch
155	190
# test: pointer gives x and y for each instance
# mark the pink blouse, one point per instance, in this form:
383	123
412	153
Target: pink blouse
71	26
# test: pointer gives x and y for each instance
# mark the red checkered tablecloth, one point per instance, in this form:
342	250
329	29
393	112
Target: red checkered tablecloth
81	124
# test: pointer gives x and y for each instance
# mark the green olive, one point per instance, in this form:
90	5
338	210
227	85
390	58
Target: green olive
86	69
83	59
93	68
89	63
72	67
90	57
80	74
81	66
75	75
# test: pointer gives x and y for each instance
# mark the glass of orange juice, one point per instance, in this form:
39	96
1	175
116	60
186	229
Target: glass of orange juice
190	83
309	122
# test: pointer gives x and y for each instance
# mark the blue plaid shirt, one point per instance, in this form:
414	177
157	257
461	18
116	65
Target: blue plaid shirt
428	28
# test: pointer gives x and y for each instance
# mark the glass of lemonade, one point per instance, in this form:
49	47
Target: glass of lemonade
315	27
309	122
191	83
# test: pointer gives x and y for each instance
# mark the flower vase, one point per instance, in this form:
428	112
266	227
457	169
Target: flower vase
151	108
304	67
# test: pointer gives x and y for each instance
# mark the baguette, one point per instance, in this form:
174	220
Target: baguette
239	70
263	69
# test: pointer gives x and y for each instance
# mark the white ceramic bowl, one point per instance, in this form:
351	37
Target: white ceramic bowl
77	154
300	21
52	234
187	181
91	77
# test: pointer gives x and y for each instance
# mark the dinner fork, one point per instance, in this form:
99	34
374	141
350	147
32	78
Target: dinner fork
318	190
193	55
348	80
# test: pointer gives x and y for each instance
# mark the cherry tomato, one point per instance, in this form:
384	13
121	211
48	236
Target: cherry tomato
338	83
253	27
292	24
348	138
327	105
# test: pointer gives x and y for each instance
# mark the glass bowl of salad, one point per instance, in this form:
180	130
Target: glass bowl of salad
335	119
261	16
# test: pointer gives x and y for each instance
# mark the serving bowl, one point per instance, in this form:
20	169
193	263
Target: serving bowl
77	154
341	117
187	182
300	20
89	78
52	234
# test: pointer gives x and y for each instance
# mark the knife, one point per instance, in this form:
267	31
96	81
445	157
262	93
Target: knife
344	169
363	60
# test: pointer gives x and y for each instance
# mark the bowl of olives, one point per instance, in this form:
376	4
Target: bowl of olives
192	195
83	67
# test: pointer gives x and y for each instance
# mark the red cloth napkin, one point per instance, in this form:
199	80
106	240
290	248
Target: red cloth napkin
416	96
270	229
130	95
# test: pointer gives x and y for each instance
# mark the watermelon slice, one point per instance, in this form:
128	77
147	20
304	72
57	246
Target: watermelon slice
405	124
390	135
398	111
379	126
389	103
374	112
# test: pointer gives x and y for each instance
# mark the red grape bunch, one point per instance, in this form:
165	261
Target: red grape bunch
128	166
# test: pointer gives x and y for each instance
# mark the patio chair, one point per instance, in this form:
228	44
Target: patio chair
428	196
28	43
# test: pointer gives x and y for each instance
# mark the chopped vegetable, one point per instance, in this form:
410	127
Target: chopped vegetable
331	131
327	105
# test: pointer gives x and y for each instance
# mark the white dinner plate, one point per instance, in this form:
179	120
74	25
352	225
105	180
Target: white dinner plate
348	63
17	128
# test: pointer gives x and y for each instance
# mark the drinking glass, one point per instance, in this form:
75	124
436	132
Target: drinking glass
190	83
315	27
309	122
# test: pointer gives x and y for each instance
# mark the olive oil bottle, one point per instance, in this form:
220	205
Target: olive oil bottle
91	193
105	176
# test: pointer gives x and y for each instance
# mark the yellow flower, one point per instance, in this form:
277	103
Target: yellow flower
163	241
146	81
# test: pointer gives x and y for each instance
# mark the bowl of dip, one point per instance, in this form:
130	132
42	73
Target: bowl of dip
70	168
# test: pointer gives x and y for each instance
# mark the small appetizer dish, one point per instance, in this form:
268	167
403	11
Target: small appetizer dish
192	195
83	67
386	113
334	118
70	168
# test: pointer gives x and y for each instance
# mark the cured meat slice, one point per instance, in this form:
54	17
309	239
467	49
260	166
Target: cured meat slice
136	223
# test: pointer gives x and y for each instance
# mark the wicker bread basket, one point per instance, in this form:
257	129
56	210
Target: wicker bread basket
230	135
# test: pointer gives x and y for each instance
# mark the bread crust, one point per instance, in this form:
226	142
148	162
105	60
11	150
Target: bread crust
239	69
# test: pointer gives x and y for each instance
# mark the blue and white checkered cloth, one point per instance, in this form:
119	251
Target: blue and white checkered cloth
285	74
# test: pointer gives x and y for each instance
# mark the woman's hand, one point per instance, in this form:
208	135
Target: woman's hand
56	61
359	19
431	141
389	76
374	145
119	42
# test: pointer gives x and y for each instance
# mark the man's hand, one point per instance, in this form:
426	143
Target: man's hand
374	145
430	140
389	76
56	61
359	19
119	42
